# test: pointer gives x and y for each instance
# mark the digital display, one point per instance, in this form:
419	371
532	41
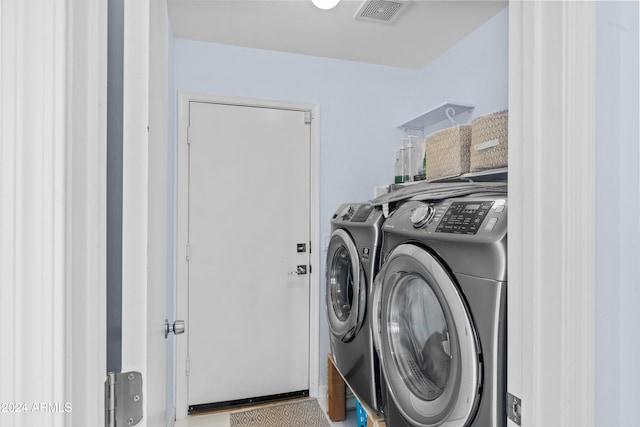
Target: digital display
472	208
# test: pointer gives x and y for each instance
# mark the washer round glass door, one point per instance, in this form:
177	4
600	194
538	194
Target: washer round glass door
346	289
426	341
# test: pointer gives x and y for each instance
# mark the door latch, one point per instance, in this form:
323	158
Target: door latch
514	408
300	270
177	328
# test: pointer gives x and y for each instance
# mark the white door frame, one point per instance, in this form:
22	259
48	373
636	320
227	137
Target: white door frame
182	223
551	217
52	210
145	227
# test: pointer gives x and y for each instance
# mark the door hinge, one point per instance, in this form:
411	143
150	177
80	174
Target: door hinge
123	399
187	367
188	252
307	117
514	408
188	135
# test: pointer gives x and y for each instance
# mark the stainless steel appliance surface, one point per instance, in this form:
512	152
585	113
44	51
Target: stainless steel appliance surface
440	310
353	257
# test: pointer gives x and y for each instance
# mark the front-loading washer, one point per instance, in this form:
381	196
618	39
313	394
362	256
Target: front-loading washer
352	262
440	309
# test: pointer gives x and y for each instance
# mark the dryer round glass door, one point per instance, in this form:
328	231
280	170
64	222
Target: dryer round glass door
346	288
427	343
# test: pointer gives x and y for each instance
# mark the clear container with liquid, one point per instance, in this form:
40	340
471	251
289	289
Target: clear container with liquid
408	162
399	173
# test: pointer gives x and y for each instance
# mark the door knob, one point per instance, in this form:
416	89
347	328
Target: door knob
177	328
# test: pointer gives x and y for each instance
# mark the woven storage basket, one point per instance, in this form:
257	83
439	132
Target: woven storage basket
489	141
447	152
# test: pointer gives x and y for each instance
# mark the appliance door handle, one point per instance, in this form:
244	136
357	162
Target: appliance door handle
377	312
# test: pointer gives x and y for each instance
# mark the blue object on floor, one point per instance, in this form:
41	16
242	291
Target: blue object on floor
362	414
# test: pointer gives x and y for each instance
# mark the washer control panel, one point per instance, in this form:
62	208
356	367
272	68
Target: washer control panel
465	217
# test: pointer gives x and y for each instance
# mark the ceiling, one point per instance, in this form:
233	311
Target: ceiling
423	30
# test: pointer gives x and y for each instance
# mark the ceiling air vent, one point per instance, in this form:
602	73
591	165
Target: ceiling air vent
381	11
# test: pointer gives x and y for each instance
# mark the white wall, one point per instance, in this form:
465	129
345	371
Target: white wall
617	291
360	104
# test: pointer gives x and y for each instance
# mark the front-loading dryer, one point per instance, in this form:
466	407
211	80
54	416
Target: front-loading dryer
352	262
440	309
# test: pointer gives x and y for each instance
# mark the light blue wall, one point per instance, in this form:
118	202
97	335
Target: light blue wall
360	104
474	71
617	291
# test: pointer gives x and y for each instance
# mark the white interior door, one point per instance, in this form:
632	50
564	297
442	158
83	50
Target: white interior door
249	208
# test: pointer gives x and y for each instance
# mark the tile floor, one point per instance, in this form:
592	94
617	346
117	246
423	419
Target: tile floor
221	419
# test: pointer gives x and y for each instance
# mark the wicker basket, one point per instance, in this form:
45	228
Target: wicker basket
447	152
489	141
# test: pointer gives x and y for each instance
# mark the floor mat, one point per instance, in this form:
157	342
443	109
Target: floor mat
305	413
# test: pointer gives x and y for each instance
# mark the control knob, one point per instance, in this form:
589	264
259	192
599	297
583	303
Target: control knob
422	215
347	212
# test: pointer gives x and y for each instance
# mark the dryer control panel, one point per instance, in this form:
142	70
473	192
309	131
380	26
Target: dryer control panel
355	213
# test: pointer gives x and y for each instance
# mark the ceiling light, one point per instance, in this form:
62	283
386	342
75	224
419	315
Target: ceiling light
325	4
